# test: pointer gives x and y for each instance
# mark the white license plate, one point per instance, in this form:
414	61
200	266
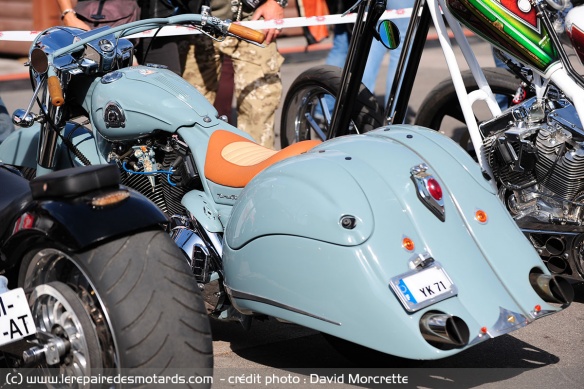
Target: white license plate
420	288
15	317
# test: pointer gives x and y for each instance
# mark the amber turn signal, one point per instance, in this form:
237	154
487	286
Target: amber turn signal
481	216
408	244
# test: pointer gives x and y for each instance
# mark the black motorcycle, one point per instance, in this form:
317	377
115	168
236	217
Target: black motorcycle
94	283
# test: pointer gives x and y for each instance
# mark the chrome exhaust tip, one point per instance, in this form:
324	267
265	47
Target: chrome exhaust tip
444	331
557	265
555	245
552	289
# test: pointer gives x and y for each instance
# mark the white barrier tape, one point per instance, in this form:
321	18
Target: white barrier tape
28	36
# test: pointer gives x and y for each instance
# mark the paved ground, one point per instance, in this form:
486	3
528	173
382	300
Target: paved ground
545	354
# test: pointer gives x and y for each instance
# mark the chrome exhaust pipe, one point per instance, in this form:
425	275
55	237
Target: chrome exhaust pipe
555	245
444	331
557	265
552	289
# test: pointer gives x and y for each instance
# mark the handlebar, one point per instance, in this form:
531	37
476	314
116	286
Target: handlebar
246	33
204	22
55	91
126	30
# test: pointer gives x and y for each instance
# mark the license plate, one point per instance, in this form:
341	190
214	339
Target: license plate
15	317
420	288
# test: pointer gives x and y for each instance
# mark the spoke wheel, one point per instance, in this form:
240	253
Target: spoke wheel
310	101
58	311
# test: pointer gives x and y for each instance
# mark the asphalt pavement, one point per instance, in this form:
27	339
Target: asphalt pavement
546	354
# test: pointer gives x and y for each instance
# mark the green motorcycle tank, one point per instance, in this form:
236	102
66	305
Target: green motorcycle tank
510	25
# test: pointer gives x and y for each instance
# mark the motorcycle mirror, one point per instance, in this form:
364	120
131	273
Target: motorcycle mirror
39	61
389	34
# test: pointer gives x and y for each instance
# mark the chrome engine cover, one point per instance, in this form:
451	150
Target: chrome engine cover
536	153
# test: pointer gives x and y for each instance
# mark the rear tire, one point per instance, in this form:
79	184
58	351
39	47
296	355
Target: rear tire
311	97
144	303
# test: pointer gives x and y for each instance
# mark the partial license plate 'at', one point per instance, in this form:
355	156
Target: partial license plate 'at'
420	288
15	317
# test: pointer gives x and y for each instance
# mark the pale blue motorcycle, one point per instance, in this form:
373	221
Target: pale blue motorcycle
393	240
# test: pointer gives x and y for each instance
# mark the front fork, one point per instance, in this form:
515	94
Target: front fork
47	150
50	128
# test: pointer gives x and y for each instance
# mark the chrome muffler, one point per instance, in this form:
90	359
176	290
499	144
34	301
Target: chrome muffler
552	289
444	331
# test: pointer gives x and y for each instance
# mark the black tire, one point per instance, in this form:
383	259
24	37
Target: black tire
442	101
142	298
304	101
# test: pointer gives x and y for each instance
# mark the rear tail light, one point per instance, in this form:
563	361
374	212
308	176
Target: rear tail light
428	190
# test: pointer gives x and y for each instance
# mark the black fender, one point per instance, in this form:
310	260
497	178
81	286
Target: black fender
75	224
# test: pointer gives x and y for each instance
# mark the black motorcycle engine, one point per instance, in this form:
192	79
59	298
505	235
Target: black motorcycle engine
173	172
540	147
536	153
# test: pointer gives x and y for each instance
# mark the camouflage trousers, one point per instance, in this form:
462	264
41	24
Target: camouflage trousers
257	82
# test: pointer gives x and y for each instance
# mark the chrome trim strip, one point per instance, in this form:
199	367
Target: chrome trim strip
247	296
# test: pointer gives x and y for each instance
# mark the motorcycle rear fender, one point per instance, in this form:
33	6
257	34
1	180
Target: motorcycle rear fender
301	273
76	225
20	147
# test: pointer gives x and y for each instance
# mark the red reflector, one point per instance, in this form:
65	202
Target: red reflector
24	222
434	189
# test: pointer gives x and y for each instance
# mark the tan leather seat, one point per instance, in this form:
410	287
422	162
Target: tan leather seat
233	160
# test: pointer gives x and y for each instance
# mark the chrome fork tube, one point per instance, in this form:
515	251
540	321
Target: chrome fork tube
47	150
48	137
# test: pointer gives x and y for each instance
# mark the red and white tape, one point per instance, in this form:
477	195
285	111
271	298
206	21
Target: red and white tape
28	36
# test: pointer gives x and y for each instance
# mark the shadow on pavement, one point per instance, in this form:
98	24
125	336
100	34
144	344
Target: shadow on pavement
280	346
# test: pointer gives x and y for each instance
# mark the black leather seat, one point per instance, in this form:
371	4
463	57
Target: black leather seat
75	181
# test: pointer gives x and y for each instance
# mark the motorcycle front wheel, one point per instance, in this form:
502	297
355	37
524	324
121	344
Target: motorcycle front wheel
309	104
441	108
133	300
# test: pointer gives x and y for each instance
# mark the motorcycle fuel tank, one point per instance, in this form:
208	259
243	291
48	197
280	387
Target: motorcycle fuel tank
511	25
133	102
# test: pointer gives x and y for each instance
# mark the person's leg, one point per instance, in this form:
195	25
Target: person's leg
374	60
336	57
203	67
338	52
258	87
163	51
224	98
402	25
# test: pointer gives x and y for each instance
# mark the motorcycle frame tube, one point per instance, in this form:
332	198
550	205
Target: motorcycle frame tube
409	61
484	93
561	78
395	111
359	46
465	99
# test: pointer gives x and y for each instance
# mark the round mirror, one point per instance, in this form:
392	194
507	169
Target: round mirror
388	34
39	60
